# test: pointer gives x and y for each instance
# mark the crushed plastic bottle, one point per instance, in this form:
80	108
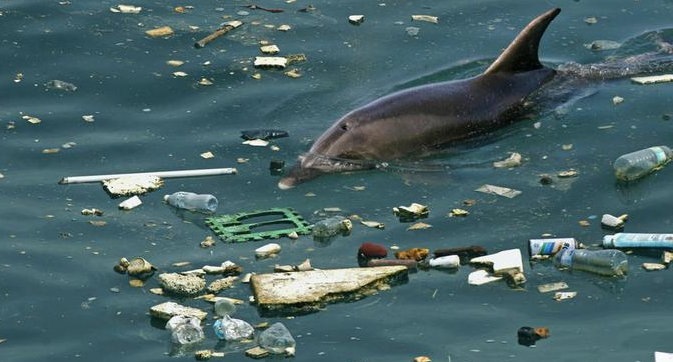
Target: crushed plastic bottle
333	226
230	329
191	201
610	262
185	330
278	340
224	307
635	240
635	165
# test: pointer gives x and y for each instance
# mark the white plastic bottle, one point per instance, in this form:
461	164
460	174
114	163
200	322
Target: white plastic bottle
635	165
191	201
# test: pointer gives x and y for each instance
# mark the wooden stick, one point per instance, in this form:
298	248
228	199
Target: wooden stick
162	174
218	33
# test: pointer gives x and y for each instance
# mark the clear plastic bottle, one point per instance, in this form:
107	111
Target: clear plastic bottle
333	226
635	165
185	330
231	329
278	340
605	262
224	307
191	201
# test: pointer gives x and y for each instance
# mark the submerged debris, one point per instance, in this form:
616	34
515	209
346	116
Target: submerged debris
514	160
426	18
600	45
61	85
158	32
500	191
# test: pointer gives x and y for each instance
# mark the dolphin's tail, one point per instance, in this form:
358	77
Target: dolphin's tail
521	55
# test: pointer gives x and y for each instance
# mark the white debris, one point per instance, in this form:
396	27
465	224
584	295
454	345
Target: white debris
514	160
663	357
273	62
551	287
356	19
126	9
132	185
130	203
88	118
175	63
501	261
653	79
500	191
653	266
179	74
270	49
207	155
559	296
426	18
617	100
267	250
256	143
481	277
284	27
170	309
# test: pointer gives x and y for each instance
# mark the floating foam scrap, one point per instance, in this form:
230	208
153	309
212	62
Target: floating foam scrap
133	185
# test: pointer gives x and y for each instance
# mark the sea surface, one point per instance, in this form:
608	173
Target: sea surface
60	299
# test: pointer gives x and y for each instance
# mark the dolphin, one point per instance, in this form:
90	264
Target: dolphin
420	119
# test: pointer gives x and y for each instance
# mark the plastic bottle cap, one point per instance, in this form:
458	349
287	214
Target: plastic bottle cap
608	241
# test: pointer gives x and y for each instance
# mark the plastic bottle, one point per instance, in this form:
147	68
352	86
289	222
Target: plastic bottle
277	340
224	307
445	262
185	330
605	262
191	201
634	240
332	226
635	165
231	329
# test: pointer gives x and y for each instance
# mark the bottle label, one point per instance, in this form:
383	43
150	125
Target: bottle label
629	240
550	246
660	154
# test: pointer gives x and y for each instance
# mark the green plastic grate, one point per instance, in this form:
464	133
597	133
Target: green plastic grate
233	228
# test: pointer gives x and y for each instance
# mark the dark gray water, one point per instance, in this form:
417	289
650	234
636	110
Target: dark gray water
52	261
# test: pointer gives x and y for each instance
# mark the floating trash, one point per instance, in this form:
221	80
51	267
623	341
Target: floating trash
356	19
158	32
234	228
126	9
426	18
61	85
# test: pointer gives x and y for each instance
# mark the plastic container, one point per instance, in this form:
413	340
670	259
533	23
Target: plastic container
634	240
635	165
550	246
445	262
277	340
191	201
185	330
333	226
610	262
230	329
224	307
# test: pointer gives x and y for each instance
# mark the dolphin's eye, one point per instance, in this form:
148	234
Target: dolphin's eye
344	126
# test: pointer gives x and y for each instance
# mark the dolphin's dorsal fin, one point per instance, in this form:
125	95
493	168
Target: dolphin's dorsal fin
521	54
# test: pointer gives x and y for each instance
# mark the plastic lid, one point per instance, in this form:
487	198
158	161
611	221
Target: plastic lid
608	241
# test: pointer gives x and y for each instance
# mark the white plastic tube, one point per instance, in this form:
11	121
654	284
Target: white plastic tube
162	174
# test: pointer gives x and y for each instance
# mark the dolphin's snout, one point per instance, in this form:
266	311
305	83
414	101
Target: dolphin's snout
297	175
